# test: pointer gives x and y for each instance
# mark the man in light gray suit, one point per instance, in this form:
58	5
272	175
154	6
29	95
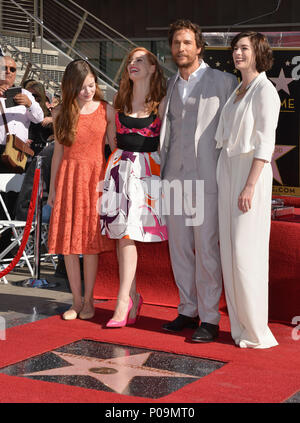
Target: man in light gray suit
195	97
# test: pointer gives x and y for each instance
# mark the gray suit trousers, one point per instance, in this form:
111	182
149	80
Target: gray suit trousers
195	258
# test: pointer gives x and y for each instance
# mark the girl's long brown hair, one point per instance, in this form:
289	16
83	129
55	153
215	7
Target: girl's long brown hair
123	99
66	120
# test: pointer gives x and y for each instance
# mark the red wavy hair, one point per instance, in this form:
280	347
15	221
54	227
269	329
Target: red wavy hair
123	99
66	120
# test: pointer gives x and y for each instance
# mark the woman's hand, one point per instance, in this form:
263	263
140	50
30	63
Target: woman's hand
55	163
47	121
245	198
51	198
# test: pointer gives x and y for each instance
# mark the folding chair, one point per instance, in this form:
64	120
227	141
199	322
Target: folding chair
2	267
12	182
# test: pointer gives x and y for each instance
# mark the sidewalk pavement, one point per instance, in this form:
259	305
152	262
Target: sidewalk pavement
19	304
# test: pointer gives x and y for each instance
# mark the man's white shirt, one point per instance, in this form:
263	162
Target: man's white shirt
186	87
19	118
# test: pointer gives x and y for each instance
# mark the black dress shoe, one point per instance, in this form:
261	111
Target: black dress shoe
206	332
181	322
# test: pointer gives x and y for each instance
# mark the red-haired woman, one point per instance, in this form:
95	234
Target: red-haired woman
78	165
130	207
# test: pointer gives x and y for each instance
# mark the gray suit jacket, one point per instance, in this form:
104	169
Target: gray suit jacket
216	87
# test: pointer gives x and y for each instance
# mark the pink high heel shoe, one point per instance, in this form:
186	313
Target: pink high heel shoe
115	324
134	319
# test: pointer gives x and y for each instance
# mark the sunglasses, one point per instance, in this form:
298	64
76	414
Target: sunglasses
10	68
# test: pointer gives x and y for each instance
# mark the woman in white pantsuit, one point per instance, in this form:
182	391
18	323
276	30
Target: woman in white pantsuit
246	133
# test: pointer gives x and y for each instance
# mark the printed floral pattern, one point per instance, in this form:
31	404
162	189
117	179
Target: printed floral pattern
152	130
131	201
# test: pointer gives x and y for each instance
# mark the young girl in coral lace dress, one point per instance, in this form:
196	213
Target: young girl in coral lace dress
78	165
130	207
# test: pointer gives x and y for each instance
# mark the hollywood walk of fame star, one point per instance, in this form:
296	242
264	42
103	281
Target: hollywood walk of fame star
279	151
282	82
116	373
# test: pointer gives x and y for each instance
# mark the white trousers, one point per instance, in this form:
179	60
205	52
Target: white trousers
244	245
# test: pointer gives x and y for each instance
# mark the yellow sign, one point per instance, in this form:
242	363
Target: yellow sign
289	191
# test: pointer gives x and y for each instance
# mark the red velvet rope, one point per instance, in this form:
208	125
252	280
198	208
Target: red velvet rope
28	224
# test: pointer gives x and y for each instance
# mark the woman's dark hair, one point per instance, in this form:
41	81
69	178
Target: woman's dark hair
262	50
26	82
186	24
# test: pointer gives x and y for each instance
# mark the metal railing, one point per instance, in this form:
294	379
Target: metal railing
39	34
13	20
74	32
32	70
85	32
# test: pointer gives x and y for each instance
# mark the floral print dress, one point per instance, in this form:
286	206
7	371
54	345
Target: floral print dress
131	202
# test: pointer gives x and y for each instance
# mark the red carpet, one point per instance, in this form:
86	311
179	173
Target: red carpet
284	292
154	276
285	264
250	376
156	283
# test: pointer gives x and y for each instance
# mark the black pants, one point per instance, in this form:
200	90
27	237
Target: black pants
3	168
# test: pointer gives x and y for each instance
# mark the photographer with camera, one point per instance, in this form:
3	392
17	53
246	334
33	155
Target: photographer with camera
18	107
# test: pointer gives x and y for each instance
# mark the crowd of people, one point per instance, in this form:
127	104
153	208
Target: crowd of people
30	117
202	125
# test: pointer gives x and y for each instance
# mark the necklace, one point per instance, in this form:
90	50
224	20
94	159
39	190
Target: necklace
241	91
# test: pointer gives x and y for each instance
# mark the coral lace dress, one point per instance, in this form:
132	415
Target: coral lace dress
74	225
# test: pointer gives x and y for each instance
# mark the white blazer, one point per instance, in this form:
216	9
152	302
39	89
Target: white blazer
255	121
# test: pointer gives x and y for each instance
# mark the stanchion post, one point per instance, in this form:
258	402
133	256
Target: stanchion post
36	281
38	221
